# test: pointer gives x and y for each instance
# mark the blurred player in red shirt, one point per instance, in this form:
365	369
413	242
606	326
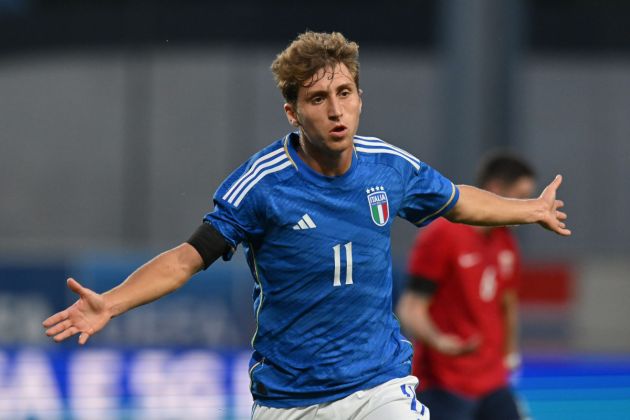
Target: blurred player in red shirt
461	307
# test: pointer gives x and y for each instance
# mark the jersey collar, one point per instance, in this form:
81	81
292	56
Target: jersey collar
311	175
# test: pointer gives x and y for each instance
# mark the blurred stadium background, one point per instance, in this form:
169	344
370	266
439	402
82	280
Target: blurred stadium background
119	119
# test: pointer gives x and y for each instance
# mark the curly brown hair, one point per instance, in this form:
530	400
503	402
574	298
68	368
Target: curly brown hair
307	54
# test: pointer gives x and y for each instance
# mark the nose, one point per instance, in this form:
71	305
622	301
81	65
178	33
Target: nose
335	110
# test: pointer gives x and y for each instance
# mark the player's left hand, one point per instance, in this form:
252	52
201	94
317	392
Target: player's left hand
453	345
552	218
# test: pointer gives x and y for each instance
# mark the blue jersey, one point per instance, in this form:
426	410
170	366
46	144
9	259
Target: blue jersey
319	251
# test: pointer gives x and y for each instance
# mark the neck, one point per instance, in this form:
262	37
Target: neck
325	162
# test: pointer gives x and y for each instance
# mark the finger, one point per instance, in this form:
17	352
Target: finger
83	338
58	328
563	231
65	334
463	349
559	204
553	185
456	347
472	344
451	350
56	318
467	350
561	215
75	286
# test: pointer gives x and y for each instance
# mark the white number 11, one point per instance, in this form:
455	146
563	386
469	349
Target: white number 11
337	255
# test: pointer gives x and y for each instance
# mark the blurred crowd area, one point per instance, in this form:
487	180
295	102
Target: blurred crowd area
118	120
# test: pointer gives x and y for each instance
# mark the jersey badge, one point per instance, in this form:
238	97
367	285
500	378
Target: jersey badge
379	206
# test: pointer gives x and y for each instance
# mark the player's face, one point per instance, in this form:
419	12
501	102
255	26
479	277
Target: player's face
327	110
523	188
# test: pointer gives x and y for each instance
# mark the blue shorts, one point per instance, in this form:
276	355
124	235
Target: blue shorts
497	405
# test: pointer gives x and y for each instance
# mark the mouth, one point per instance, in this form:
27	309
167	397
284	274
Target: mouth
338	130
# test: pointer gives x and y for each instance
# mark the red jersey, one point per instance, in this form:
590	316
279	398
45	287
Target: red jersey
472	268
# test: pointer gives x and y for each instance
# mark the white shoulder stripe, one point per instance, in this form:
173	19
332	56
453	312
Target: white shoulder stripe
251	170
389	151
370	138
248	179
380	143
258	178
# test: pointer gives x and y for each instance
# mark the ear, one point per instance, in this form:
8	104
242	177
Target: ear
291	114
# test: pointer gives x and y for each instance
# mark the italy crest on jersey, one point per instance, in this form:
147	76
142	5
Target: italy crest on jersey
379	206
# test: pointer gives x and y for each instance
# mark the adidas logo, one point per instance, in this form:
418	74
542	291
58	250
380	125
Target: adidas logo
305	223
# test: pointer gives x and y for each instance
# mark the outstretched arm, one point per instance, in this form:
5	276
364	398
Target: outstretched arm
483	208
160	276
413	312
92	311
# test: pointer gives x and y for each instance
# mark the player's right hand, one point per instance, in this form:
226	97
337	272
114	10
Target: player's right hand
452	345
86	316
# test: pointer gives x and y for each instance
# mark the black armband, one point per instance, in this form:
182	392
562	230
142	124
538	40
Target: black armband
209	243
422	285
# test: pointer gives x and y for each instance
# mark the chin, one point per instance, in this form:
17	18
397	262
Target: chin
340	144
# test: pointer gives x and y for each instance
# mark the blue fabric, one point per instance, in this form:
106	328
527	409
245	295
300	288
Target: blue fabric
497	405
321	263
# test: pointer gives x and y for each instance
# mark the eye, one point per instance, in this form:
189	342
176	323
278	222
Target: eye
345	92
315	100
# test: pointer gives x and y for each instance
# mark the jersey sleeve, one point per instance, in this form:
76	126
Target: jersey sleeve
236	220
428	195
429	257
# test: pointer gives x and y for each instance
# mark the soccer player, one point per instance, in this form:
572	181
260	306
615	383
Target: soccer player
313	212
460	305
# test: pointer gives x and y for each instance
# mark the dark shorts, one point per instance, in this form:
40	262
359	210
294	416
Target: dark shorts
497	405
